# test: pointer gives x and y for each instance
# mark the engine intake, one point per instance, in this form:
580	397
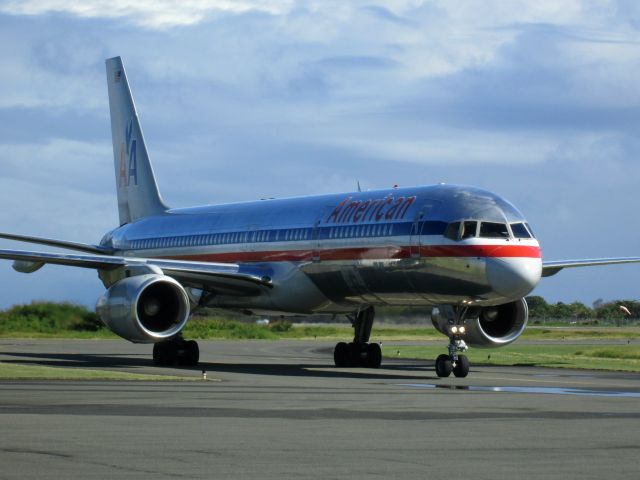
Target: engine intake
145	308
494	326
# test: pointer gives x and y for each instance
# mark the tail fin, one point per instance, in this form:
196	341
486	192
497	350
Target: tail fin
138	194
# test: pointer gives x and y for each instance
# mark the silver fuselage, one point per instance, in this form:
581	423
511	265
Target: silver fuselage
331	253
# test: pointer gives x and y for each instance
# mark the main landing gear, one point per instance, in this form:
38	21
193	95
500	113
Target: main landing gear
458	364
359	353
176	351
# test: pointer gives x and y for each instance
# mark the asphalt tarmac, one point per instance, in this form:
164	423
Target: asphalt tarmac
279	410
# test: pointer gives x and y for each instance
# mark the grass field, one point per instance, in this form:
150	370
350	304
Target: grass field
220	329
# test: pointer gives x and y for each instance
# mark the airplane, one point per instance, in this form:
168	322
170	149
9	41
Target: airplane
464	251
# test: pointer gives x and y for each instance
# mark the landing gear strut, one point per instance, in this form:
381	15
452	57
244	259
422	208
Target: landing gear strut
458	364
359	353
176	351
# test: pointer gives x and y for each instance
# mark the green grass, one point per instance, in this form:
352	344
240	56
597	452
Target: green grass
575	333
219	328
11	371
611	357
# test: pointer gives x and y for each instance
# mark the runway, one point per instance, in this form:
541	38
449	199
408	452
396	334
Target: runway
280	410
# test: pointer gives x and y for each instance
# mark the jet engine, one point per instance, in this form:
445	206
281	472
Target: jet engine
144	308
494	326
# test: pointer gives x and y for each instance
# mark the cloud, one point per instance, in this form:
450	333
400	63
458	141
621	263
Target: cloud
537	101
154	14
83	163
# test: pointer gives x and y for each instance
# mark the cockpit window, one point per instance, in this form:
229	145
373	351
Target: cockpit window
530	231
520	231
494	230
468	229
452	231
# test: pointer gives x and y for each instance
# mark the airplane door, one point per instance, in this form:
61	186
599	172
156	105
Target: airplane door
414	236
417	227
315	242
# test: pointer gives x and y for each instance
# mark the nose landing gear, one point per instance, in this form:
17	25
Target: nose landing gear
359	353
458	364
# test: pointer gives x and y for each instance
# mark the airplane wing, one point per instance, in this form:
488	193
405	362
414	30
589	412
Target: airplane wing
81	247
228	276
550	268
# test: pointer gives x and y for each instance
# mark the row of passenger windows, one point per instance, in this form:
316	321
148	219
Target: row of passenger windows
454	231
287	235
291	234
380	230
472	228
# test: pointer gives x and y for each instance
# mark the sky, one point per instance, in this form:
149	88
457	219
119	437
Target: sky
239	100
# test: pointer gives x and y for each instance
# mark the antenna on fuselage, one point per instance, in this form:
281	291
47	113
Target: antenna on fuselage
358	182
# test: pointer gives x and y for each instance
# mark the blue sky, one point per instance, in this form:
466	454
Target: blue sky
537	101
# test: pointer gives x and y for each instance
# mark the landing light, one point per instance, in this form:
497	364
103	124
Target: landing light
455	330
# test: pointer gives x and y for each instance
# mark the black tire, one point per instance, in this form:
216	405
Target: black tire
443	366
461	369
158	354
374	356
356	357
191	353
341	355
170	353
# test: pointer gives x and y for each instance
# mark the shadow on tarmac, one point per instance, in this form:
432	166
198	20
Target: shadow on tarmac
421	371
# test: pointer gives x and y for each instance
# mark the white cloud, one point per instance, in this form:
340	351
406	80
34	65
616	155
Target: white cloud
457	148
70	163
147	13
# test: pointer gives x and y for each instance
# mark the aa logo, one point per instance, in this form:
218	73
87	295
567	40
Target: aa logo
128	171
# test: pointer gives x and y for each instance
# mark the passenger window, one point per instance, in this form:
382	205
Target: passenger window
468	229
520	231
493	230
452	231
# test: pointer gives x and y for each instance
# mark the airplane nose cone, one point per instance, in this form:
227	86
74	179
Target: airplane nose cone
513	277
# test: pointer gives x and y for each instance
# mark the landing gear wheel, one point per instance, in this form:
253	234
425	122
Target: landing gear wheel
158	353
165	353
443	366
367	355
356	355
461	369
341	355
176	352
190	354
373	357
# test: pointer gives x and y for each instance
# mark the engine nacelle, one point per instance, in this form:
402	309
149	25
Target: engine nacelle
495	326
145	308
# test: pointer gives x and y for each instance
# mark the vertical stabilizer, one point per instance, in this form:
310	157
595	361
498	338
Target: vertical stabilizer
138	194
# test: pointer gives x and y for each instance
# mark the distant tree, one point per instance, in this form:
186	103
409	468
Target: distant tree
611	310
575	310
580	311
538	306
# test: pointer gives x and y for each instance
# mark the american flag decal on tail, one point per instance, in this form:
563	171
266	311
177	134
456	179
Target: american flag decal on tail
117	75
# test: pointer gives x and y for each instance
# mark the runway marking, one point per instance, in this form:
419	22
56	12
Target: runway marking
545	390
